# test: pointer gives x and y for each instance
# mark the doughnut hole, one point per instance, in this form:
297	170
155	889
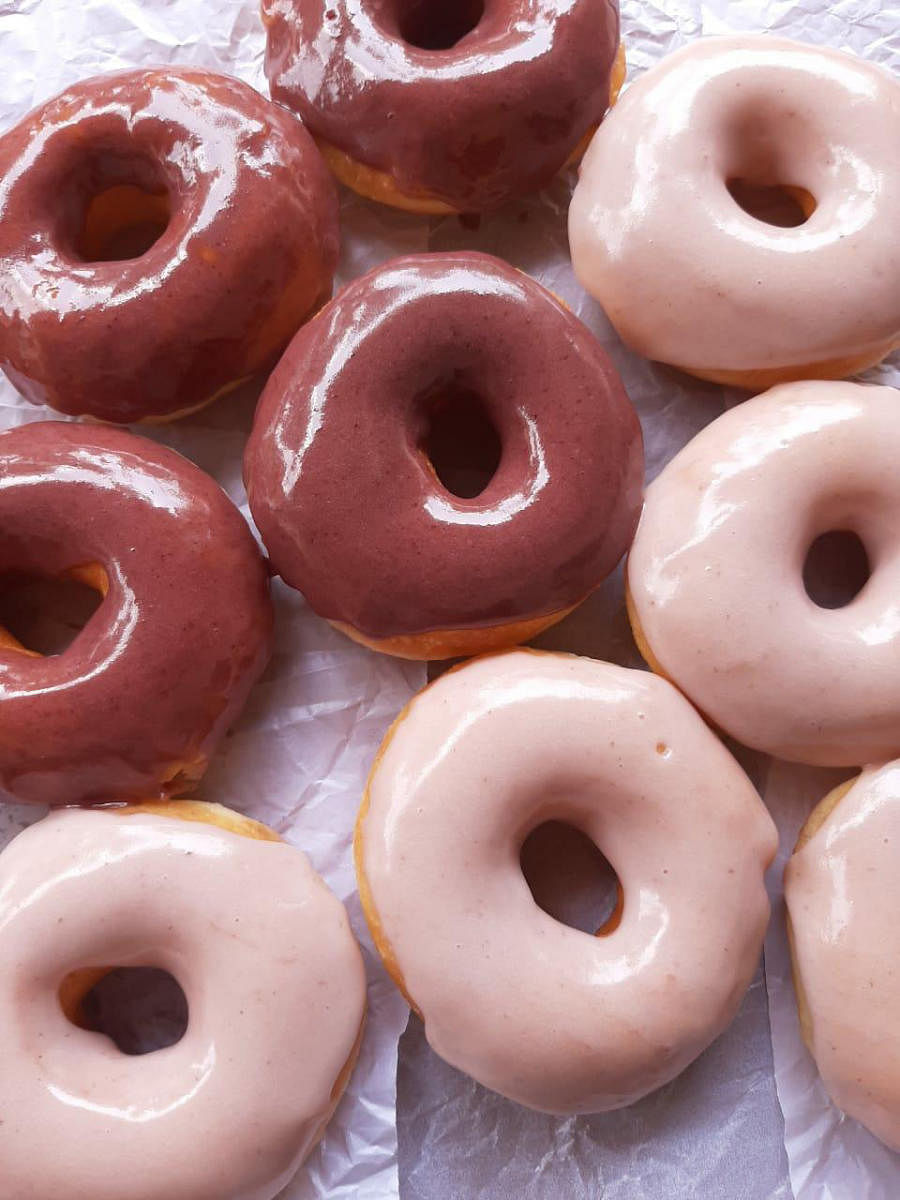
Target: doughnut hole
780	205
114	204
459	440
140	1009
836	568
571	880
42	615
122	223
760	162
437	24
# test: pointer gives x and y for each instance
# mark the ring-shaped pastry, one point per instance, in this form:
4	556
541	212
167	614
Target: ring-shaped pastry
552	1017
350	507
665	235
715	577
273	979
136	704
840	887
163	233
446	105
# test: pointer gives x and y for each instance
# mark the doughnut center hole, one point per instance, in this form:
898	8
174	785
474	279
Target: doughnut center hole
460	441
780	205
836	568
42	615
438	24
570	879
140	1009
122	222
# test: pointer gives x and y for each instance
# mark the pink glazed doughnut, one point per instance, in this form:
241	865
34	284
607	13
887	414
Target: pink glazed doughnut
275	987
686	274
715	575
842	893
556	1019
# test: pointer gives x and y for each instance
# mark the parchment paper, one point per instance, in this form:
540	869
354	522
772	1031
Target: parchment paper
298	757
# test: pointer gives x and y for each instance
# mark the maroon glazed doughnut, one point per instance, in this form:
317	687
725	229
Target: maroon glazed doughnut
134	707
348	503
445	105
244	212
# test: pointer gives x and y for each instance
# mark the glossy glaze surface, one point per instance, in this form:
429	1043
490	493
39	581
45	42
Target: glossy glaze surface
275	989
346	500
497	114
842	895
684	273
249	250
139	700
547	1015
716	572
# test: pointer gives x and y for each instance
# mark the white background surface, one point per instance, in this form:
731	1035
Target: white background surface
299	755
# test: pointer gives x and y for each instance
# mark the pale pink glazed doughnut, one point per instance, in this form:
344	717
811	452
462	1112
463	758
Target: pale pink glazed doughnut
557	1019
275	988
843	896
690	278
715	575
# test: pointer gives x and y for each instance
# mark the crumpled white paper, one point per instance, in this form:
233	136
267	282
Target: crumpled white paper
298	757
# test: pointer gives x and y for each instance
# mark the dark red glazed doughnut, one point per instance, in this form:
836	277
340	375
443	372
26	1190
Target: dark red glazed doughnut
134	707
467	102
246	217
349	507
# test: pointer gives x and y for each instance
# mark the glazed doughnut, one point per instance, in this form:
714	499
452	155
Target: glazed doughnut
715	575
443	106
549	1016
686	274
163	233
135	706
275	987
841	894
350	507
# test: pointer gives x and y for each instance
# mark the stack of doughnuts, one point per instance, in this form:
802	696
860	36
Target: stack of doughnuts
167	235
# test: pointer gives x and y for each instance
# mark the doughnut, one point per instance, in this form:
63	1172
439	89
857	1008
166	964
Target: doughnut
163	233
275	987
549	1016
715	576
841	894
676	243
346	498
440	106
137	703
